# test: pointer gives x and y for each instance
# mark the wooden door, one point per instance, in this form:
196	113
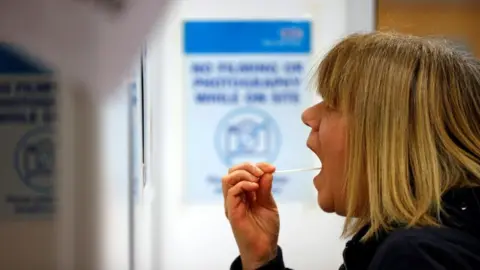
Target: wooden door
454	19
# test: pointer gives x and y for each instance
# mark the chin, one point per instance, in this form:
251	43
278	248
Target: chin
326	206
332	210
329	207
341	213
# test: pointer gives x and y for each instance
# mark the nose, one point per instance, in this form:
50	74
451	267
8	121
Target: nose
308	117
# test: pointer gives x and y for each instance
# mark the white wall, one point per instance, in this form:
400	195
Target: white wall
196	236
92	217
114	189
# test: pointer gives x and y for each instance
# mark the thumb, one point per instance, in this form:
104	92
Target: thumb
264	192
266	167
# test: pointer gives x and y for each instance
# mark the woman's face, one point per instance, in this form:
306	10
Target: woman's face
328	141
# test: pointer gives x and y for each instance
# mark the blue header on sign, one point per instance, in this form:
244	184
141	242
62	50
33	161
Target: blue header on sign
14	61
246	37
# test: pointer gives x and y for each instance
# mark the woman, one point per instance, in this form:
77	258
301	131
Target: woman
398	135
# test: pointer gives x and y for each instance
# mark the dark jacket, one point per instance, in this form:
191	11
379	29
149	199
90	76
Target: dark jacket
453	246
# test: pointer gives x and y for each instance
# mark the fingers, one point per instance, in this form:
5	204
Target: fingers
233	178
266	167
244	171
248	172
249	167
241	175
264	192
241	188
234	201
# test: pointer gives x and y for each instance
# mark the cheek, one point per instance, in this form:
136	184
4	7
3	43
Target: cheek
332	138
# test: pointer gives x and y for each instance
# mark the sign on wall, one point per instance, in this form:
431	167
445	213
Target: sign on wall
245	89
27	112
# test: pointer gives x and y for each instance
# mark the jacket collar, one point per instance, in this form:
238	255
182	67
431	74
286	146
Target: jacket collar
462	211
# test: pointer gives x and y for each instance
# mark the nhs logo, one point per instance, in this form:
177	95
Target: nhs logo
292	33
289	36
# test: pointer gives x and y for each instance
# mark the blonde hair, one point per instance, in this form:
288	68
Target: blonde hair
413	110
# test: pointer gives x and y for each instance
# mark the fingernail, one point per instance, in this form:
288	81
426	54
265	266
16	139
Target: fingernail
257	170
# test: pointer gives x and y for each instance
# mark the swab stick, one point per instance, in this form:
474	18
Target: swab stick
299	170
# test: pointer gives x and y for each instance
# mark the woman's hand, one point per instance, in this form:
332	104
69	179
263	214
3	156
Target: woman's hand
252	212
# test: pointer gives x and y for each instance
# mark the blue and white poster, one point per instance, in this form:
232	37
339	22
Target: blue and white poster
27	115
246	90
